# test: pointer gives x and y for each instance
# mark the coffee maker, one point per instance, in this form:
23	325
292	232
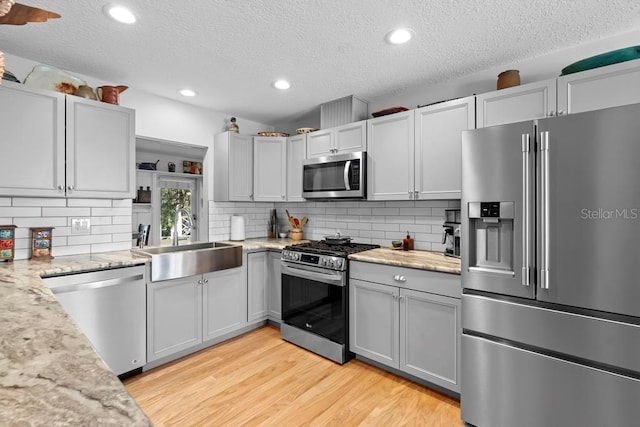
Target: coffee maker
451	233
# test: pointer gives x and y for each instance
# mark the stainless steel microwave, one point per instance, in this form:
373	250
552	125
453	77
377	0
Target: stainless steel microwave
342	176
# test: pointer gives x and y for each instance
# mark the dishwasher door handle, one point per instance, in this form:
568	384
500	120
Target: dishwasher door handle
95	285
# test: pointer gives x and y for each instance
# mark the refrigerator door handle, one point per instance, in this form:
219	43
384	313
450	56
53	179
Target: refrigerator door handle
544	210
526	185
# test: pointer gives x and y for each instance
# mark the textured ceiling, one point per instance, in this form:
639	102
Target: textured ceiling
231	51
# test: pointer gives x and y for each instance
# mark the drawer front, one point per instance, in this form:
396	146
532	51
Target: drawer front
408	278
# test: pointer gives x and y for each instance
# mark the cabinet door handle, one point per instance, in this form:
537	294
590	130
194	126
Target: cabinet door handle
399	278
70	187
200	282
410	195
401	298
552	113
394	296
60	187
206	281
416	195
560	112
283	197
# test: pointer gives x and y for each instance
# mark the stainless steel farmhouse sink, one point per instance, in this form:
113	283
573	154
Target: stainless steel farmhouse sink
174	262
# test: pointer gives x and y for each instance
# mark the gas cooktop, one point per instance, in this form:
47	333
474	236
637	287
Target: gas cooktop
321	247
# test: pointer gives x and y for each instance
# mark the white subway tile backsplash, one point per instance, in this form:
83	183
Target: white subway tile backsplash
56	211
20	211
121	220
38	201
70	250
111	229
110	223
108	247
40	222
385	227
365	222
89	239
110	211
124	203
89	203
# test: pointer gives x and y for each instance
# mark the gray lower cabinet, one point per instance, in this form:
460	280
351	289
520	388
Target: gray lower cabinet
174	316
274	287
257	268
184	313
373	322
413	331
224	309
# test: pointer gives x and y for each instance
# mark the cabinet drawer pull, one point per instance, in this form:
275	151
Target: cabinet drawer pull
399	278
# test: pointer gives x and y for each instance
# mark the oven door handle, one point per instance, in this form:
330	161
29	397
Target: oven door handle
312	275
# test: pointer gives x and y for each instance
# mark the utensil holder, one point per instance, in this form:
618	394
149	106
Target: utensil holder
296	234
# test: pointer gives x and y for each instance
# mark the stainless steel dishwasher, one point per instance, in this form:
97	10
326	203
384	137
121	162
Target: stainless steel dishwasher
109	306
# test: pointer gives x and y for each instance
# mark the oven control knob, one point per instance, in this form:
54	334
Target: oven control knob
331	263
296	257
339	263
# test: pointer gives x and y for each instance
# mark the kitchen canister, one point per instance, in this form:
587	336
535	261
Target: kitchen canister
237	228
508	78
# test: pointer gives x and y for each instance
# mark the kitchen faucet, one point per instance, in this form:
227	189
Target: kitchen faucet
177	220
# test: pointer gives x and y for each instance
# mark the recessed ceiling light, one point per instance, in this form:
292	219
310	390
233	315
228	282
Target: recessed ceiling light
282	84
120	14
188	92
399	36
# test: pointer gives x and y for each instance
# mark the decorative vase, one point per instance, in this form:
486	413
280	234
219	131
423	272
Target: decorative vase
233	126
508	78
296	234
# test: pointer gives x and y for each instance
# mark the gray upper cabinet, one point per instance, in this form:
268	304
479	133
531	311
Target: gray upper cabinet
390	163
516	104
438	157
233	167
270	169
100	149
603	87
97	140
296	153
347	138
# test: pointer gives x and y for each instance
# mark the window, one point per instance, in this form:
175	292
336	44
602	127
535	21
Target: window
177	193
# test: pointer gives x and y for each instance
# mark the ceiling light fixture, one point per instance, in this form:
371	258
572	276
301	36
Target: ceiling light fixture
399	36
281	84
120	14
188	92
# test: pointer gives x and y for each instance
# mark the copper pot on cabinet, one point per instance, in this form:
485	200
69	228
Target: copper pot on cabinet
111	94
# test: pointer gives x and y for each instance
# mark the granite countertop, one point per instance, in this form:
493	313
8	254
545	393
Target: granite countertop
49	372
264	243
423	260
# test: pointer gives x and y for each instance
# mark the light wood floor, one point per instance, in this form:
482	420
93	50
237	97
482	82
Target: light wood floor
259	379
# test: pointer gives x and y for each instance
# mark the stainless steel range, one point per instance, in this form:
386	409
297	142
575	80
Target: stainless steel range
315	296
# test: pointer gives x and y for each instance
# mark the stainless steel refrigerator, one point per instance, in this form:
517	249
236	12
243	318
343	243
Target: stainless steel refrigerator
551	271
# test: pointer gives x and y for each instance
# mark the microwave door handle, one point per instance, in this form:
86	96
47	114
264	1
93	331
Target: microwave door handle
347	167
